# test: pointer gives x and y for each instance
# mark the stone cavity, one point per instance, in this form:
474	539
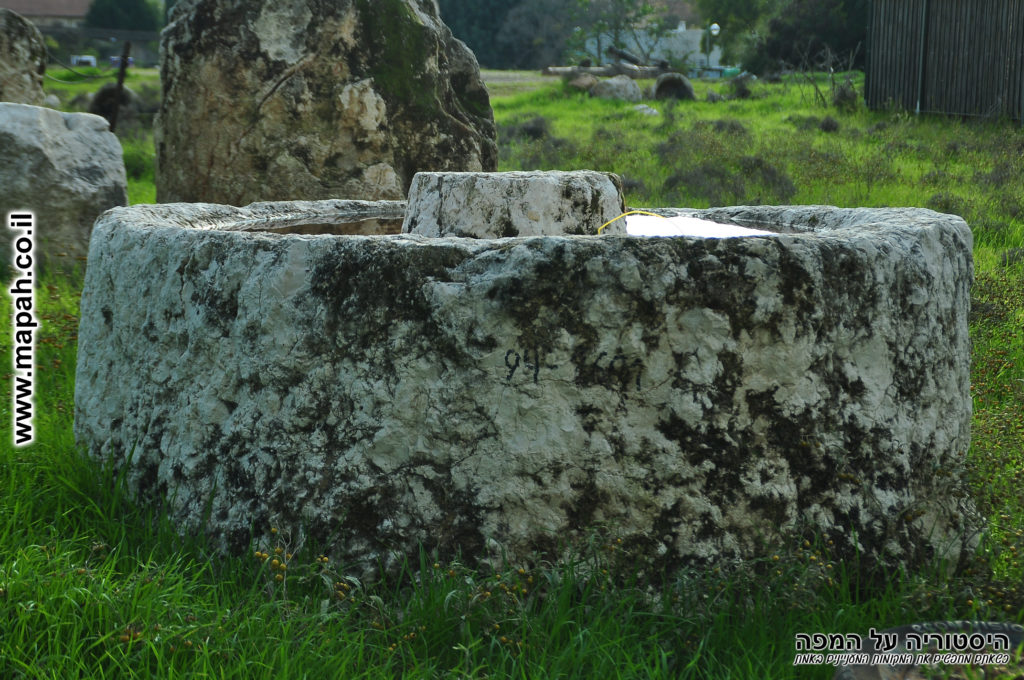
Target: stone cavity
22	60
704	399
506	204
674	86
300	100
67	168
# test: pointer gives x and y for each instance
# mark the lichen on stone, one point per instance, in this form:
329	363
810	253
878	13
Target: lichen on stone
705	397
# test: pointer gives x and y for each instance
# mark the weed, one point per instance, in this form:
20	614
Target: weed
709	181
845	96
946	202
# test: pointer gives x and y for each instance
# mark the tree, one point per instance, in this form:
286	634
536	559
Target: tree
629	24
535	34
478	23
741	21
127	15
805	31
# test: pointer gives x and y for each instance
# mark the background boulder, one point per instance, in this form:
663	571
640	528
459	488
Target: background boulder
67	168
619	87
305	100
22	59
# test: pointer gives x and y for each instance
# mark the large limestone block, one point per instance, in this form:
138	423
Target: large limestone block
701	397
22	60
67	168
270	100
503	204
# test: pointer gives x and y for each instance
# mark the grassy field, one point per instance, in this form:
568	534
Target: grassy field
94	586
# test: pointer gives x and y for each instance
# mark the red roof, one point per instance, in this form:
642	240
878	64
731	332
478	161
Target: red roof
73	9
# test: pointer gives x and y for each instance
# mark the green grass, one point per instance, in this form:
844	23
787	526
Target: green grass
769	149
94	586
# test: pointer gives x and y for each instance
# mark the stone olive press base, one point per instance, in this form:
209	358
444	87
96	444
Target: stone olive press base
700	398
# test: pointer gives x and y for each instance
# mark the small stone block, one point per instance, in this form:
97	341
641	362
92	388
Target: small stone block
506	204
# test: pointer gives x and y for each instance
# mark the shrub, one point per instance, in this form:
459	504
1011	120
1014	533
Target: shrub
829	124
779	187
710	181
945	202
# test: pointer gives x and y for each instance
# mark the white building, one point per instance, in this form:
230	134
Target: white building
682	44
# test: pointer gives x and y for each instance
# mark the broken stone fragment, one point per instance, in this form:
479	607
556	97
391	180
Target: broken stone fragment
505	204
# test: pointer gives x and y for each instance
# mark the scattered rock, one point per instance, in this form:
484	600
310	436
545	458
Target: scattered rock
81	101
673	86
51	101
66	168
535	128
704	397
584	82
714	97
619	87
505	204
646	110
22	60
740	86
299	100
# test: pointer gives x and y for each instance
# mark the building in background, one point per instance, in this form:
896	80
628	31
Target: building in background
682	45
50	13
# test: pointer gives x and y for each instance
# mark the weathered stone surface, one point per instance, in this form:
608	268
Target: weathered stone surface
673	86
701	397
22	60
272	100
619	87
583	82
67	168
504	204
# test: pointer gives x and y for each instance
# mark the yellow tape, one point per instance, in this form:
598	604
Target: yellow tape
631	212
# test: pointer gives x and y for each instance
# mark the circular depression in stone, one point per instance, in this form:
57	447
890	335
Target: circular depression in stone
698	398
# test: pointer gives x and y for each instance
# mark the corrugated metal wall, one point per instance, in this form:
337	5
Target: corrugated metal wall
963	57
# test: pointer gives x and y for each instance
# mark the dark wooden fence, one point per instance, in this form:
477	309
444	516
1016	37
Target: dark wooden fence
961	57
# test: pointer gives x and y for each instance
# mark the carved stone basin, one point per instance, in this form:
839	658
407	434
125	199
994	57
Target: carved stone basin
699	398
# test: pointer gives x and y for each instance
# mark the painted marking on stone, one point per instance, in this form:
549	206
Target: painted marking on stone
524	360
620	365
511	367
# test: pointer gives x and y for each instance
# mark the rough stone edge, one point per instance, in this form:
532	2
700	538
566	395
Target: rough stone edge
429	224
255	217
821	219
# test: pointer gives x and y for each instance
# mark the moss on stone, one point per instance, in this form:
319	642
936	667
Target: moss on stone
398	71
